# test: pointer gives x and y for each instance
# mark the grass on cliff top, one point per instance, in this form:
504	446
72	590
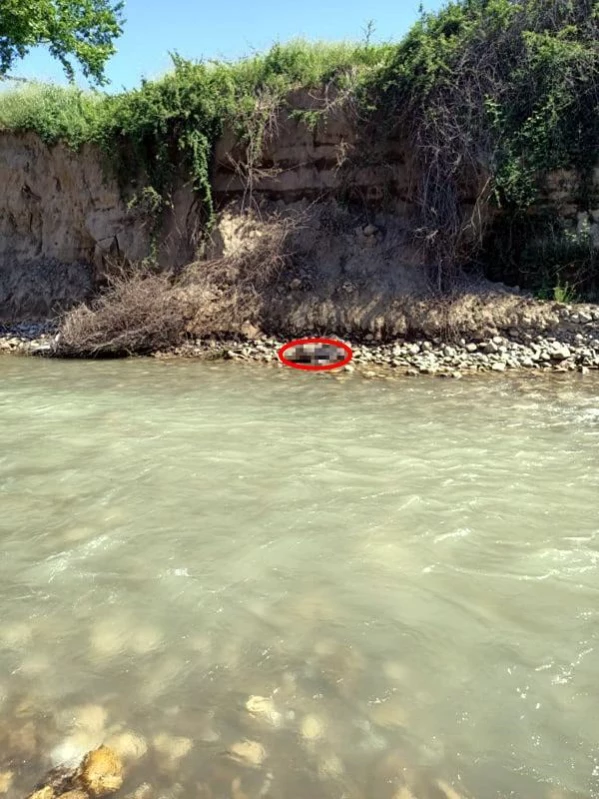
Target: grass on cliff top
490	95
209	91
174	121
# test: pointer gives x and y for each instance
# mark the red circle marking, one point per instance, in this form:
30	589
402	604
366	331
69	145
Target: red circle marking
315	367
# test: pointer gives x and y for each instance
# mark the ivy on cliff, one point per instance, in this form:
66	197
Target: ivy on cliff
497	92
488	93
172	123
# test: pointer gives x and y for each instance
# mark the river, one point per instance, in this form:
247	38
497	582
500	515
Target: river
385	586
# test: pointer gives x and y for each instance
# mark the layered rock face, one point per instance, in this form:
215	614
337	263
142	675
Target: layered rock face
64	216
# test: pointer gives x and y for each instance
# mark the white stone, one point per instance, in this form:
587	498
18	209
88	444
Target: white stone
330	766
263	708
312	728
250	753
128	745
171	746
6	778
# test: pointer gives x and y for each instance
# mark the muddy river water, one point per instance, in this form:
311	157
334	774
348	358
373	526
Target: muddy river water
256	582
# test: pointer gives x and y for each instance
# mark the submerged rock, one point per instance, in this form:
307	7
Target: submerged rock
330	766
172	747
23	740
146	639
55	783
91	718
69	753
43	793
101	772
249	753
403	793
447	790
236	792
263	708
312	728
390	713
6	778
15	636
143	791
128	745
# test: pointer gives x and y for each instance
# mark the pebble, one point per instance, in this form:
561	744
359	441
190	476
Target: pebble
569	330
101	772
403	793
263	708
312	728
128	745
172	747
249	753
390	713
6	778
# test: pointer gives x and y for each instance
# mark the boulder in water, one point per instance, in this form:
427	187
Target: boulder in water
101	772
43	793
6	778
128	745
249	753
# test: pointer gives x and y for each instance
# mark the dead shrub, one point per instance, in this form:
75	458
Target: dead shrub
224	292
142	311
138	312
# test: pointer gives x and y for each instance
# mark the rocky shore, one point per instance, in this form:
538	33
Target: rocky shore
570	343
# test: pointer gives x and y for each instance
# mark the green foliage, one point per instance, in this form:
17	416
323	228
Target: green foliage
171	124
543	254
564	294
54	112
83	30
492	94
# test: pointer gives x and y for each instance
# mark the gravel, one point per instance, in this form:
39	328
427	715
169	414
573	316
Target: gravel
572	346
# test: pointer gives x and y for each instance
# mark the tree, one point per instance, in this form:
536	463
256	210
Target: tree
80	30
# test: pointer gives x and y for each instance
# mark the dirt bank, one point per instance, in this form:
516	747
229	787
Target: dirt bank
569	344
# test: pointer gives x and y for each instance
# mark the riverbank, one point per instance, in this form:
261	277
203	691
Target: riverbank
571	344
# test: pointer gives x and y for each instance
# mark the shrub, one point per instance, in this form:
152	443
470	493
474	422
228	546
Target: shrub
490	94
142	311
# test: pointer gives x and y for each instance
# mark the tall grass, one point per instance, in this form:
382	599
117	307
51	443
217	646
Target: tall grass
74	116
175	121
54	112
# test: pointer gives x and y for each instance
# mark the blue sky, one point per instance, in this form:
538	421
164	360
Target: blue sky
207	29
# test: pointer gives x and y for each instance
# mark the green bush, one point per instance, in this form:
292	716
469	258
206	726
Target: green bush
539	253
173	122
490	95
494	93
